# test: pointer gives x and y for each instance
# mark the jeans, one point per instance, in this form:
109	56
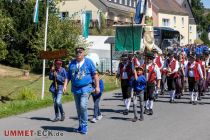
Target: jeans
81	102
141	101
57	102
96	100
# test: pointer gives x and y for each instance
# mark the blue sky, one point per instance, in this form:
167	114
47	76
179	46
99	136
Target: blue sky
206	3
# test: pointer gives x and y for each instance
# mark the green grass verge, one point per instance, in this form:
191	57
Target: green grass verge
13	86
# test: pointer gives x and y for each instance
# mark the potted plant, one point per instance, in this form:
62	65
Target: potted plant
26	70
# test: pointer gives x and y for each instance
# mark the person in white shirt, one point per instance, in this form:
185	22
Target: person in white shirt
194	74
172	67
125	73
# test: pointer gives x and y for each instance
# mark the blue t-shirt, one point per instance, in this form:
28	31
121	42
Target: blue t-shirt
61	76
101	86
81	78
139	84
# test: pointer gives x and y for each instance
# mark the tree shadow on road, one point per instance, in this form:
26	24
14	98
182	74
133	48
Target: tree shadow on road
58	128
40	118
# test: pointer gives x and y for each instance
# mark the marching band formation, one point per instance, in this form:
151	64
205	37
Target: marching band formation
171	72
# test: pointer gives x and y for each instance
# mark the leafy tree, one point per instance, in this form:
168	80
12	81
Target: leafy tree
203	22
22	44
5	27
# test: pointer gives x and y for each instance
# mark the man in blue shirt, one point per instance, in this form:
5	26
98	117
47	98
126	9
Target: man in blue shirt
80	73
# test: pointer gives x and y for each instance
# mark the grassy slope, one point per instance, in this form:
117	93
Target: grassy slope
11	83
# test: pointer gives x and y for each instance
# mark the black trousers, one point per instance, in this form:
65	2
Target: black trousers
171	83
126	88
193	85
149	95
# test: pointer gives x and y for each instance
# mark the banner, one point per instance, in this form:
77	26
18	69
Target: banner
124	39
86	21
36	12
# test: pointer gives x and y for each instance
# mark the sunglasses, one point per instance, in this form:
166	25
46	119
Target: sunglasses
78	51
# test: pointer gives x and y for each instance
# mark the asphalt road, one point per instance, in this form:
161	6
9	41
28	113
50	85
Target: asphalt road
180	121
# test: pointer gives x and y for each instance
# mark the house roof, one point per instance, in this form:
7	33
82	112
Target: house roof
117	6
169	6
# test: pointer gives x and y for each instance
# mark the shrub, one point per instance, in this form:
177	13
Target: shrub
26	94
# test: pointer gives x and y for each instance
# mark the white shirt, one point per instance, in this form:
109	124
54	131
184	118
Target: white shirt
156	69
124	74
79	64
161	61
191	72
176	66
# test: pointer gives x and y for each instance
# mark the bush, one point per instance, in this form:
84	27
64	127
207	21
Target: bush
26	67
26	94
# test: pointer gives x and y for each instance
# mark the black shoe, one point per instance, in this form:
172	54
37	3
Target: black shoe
195	103
146	111
56	119
125	112
62	117
150	112
141	118
134	119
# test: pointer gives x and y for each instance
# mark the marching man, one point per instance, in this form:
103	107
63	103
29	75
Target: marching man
125	73
153	75
158	60
194	74
172	67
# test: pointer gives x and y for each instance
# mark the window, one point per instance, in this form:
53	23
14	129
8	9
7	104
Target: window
64	15
165	22
182	21
126	2
190	28
120	1
130	3
174	20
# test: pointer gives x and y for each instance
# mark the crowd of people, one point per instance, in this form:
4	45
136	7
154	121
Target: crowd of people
142	77
172	72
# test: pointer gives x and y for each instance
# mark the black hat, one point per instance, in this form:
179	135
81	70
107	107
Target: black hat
154	50
206	52
198	56
192	55
150	55
170	53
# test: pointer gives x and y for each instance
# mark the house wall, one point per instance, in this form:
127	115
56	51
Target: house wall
183	28
77	6
192	33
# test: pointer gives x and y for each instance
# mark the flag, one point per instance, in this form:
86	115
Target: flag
36	12
86	21
140	10
124	40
